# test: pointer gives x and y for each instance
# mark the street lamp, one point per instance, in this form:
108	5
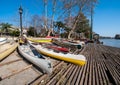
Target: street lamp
20	12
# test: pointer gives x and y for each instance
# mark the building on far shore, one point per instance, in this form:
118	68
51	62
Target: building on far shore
117	36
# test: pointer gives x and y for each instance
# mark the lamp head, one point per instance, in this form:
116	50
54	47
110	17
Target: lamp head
20	10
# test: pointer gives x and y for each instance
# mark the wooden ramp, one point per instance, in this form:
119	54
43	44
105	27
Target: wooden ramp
102	68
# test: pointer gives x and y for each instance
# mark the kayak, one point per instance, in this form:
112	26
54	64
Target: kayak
41	40
3	40
72	58
7	49
36	58
75	43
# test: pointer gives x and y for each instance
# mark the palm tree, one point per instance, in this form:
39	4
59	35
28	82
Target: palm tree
5	27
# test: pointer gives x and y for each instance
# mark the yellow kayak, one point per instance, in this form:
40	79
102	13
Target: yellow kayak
72	58
41	40
7	49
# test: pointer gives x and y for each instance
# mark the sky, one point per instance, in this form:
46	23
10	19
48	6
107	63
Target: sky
106	18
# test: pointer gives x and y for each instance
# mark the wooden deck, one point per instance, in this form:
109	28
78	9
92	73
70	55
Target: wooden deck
102	68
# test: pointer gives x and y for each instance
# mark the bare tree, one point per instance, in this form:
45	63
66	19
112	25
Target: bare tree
83	6
45	21
37	22
52	20
68	9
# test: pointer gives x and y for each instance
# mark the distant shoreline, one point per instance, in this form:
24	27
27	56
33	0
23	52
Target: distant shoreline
111	42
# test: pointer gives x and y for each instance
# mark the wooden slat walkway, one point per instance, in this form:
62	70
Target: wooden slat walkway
102	68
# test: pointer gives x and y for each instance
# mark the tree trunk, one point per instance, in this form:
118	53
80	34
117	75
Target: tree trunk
34	28
45	21
51	29
69	35
49	32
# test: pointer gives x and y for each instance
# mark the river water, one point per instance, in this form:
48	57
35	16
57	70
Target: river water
111	42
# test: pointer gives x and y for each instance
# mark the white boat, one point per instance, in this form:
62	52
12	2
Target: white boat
34	57
3	40
72	58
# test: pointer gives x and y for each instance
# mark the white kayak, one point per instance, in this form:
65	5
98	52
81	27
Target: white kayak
34	57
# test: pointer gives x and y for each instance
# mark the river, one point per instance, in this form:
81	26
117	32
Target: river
111	42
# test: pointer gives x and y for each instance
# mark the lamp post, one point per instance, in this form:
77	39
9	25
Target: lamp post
20	12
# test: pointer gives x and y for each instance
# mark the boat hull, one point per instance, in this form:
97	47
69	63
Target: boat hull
43	64
8	51
3	40
74	61
41	40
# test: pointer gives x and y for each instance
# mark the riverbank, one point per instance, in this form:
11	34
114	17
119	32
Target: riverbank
111	42
102	68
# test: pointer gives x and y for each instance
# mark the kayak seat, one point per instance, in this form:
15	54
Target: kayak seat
36	53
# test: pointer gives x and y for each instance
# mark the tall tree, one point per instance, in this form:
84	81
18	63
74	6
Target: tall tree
31	31
45	20
59	25
38	23
82	25
35	22
84	6
52	20
92	5
62	9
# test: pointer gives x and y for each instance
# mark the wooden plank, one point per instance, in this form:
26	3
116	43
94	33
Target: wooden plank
41	80
106	80
63	77
16	72
72	76
58	76
76	76
90	74
58	65
96	74
69	74
93	74
83	75
79	75
6	63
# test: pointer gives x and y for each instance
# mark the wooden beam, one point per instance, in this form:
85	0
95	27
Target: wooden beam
2	64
